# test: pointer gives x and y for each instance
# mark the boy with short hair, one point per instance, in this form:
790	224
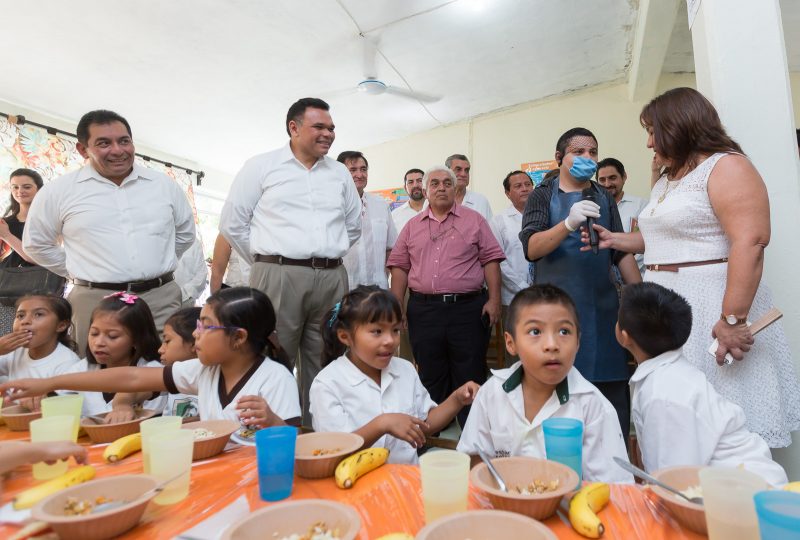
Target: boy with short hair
507	414
680	419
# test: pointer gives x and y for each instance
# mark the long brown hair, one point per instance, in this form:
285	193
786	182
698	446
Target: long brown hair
685	126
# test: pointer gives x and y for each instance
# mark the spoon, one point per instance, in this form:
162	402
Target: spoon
111	505
636	471
494	472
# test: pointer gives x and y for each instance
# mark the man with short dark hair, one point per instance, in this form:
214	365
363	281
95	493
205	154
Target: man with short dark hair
412	181
461	167
294	212
366	260
112	225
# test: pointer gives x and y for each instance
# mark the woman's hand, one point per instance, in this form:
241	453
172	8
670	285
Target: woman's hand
254	411
405	427
13	341
735	340
25	388
5	232
605	238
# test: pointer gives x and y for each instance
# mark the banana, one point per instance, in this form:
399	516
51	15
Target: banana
354	467
584	506
396	536
31	496
122	447
792	486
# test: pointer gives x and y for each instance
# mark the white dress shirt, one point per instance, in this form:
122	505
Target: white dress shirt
238	272
131	232
479	203
366	260
514	270
497	425
343	398
276	206
681	420
192	272
629	209
403	214
270	380
18	364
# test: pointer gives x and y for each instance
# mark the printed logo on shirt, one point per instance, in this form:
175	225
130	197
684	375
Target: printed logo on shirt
185	408
502	453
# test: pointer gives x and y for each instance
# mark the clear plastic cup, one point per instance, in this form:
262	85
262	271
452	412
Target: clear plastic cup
51	429
563	442
778	515
170	456
728	500
275	456
445	483
68	404
153	426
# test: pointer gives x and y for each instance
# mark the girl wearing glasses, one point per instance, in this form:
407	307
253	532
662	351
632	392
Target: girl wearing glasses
234	376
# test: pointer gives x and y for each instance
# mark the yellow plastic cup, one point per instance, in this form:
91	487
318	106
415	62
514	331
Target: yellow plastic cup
68	404
728	501
50	429
170	456
445	483
152	427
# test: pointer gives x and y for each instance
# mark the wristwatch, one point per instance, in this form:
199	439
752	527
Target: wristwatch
733	320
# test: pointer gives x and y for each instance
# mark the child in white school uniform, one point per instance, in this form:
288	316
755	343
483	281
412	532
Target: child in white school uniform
506	418
233	375
365	389
679	418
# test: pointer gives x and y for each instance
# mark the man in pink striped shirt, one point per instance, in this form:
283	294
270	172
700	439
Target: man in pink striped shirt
444	255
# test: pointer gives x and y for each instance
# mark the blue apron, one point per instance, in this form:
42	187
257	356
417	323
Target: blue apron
586	277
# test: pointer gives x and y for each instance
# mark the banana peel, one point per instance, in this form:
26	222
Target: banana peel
584	506
792	486
31	496
353	467
396	536
122	447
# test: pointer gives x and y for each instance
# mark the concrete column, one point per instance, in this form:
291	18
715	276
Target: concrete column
740	61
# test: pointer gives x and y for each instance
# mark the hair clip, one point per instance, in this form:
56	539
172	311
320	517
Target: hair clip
128	298
335	314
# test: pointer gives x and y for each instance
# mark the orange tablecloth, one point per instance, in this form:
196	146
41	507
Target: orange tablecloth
388	499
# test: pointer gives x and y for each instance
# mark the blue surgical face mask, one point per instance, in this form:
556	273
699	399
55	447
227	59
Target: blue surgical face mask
583	169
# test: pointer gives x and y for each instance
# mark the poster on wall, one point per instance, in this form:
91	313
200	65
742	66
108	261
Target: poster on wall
394	197
537	169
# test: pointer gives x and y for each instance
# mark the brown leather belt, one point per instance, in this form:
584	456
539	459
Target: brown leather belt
131	286
677	266
318	263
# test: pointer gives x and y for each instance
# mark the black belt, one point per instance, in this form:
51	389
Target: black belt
447	298
318	263
132	286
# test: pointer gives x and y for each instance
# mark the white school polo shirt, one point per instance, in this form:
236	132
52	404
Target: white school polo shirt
681	420
343	398
18	364
95	402
267	379
498	427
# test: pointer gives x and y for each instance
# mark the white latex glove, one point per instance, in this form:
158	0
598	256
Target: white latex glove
579	212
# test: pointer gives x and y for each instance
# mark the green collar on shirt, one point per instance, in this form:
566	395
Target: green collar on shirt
562	389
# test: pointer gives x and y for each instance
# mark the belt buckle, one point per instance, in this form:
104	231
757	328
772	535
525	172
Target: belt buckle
449	298
655	267
314	263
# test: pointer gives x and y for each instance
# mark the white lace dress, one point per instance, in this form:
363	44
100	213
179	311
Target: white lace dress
683	228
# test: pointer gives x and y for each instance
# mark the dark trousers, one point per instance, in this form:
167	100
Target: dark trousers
619	394
449	342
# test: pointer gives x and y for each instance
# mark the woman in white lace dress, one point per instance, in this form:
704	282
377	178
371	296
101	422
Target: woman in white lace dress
703	234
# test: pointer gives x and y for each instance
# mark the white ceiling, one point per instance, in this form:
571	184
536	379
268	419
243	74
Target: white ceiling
210	80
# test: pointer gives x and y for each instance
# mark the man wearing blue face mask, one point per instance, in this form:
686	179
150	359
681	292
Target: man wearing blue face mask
550	237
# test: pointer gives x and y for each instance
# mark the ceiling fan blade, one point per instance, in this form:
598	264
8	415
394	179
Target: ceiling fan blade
369	51
419	96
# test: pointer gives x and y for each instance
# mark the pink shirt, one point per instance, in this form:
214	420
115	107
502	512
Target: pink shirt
447	256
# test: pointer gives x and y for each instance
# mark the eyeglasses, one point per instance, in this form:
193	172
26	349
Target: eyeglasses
202	327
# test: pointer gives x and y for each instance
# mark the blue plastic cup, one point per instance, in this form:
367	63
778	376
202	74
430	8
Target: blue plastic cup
778	515
275	455
563	442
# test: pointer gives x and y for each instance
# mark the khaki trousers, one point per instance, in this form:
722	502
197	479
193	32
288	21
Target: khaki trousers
301	297
163	301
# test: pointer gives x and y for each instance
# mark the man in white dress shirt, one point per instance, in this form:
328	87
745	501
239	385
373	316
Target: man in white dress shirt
366	260
416	199
294	212
112	225
611	175
192	274
506	227
459	164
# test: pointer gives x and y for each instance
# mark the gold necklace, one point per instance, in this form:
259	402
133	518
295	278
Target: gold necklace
661	198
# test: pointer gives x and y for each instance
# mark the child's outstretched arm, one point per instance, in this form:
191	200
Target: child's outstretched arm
16	453
121	379
440	416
